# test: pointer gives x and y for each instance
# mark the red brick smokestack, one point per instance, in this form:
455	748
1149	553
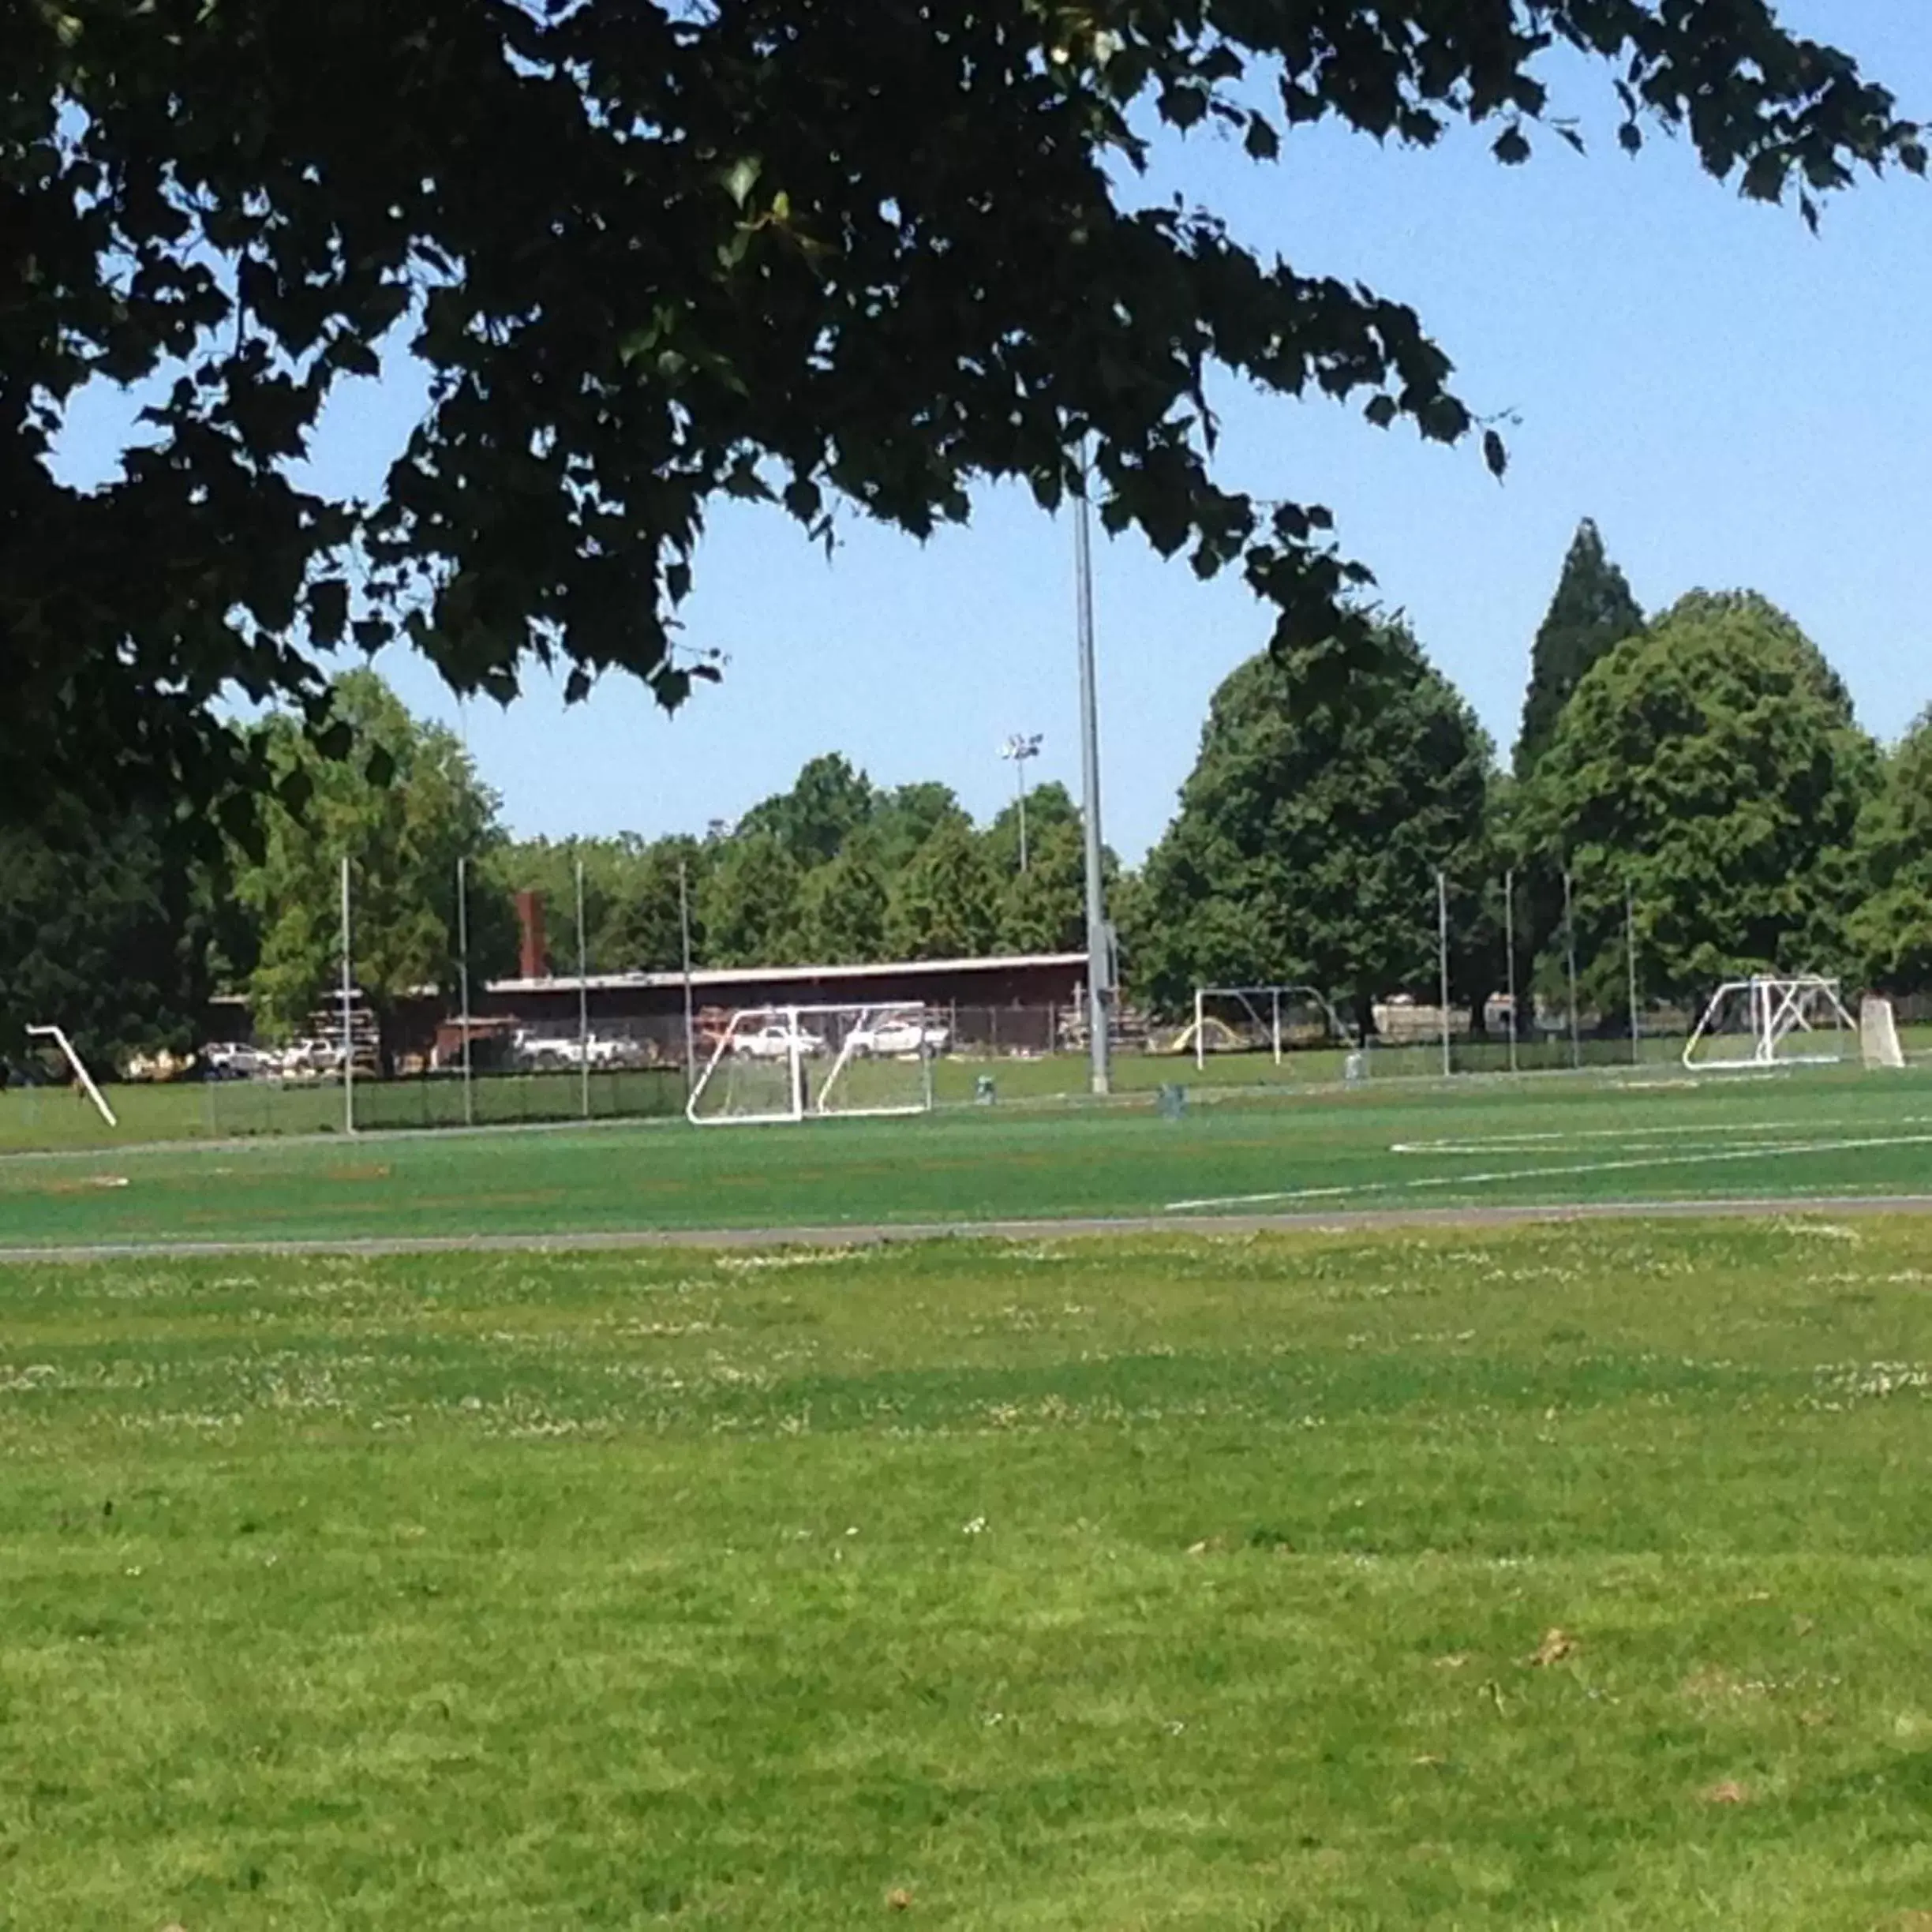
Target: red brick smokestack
533	954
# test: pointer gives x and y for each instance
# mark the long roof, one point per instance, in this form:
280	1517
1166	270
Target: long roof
771	975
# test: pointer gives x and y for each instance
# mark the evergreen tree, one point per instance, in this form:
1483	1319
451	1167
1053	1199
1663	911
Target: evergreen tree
946	903
1591	613
842	911
829	801
750	904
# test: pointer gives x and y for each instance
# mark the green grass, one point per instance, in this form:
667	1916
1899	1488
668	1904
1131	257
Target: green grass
1151	1584
1482	1142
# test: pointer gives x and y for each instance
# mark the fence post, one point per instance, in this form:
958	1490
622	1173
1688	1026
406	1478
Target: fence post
1509	954
1630	960
462	968
1442	963
1576	1038
583	1002
348	1029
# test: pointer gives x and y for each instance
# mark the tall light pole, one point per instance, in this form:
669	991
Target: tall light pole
1100	950
1020	747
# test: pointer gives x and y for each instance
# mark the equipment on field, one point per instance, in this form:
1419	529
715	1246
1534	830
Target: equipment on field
64	1047
1765	1021
1878	1040
794	1063
1259	1019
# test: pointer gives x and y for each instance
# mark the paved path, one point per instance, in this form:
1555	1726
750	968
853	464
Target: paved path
1360	1220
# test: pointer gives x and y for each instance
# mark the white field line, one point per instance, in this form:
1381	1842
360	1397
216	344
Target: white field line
1676	1158
1529	1143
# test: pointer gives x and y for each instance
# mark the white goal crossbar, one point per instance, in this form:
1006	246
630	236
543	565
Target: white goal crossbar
1754	1023
1262	1007
66	1046
765	1067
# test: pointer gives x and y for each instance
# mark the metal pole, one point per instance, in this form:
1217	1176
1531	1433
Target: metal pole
583	1001
348	1030
462	973
1200	1045
1099	988
1442	963
1509	955
1019	774
1576	1038
690	1035
1274	1020
1630	960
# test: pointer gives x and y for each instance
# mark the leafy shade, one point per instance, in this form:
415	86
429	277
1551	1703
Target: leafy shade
1714	767
1592	612
650	255
1892	930
1310	833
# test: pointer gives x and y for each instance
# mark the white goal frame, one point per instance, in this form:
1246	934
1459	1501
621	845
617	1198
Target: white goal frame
66	1046
1272	997
802	1044
1780	1010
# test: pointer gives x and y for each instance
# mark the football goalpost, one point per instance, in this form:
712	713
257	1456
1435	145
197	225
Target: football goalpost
1259	1019
796	1063
1767	1021
65	1047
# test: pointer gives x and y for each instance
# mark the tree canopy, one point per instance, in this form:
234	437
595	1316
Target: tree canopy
1310	832
1891	931
1712	766
401	836
1592	610
654	256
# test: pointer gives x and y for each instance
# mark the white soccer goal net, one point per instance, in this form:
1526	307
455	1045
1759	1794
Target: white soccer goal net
794	1063
1770	1022
1878	1040
1274	1020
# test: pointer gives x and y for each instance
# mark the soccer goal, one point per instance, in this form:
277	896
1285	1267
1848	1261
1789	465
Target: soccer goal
796	1063
64	1046
1770	1022
1276	1019
1878	1040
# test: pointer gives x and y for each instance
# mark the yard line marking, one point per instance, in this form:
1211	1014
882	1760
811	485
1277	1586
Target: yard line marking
1761	1151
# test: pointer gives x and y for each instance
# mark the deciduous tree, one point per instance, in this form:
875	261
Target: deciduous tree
651	256
1713	766
1310	833
945	903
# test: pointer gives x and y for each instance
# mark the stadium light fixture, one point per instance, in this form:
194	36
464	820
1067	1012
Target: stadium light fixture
1019	748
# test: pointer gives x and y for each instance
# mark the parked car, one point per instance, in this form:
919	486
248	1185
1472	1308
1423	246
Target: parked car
774	1041
899	1033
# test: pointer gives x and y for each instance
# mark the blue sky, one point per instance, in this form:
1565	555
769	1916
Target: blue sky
1736	402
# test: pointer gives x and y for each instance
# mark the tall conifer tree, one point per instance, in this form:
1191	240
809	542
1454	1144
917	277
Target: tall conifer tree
1591	613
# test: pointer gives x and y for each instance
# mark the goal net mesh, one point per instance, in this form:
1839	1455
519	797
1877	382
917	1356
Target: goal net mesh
1766	1022
794	1063
1878	1040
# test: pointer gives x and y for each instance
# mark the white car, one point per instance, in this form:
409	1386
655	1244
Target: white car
774	1041
899	1034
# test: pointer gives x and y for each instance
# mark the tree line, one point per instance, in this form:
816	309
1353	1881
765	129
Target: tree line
1700	772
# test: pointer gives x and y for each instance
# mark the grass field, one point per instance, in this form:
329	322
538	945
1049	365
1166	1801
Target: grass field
1183	1584
1782	1137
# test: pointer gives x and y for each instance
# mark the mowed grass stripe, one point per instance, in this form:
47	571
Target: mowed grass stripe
1176	1584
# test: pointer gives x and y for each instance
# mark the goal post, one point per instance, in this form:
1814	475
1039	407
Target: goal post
1878	1040
65	1047
1274	1020
771	1064
1768	1021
